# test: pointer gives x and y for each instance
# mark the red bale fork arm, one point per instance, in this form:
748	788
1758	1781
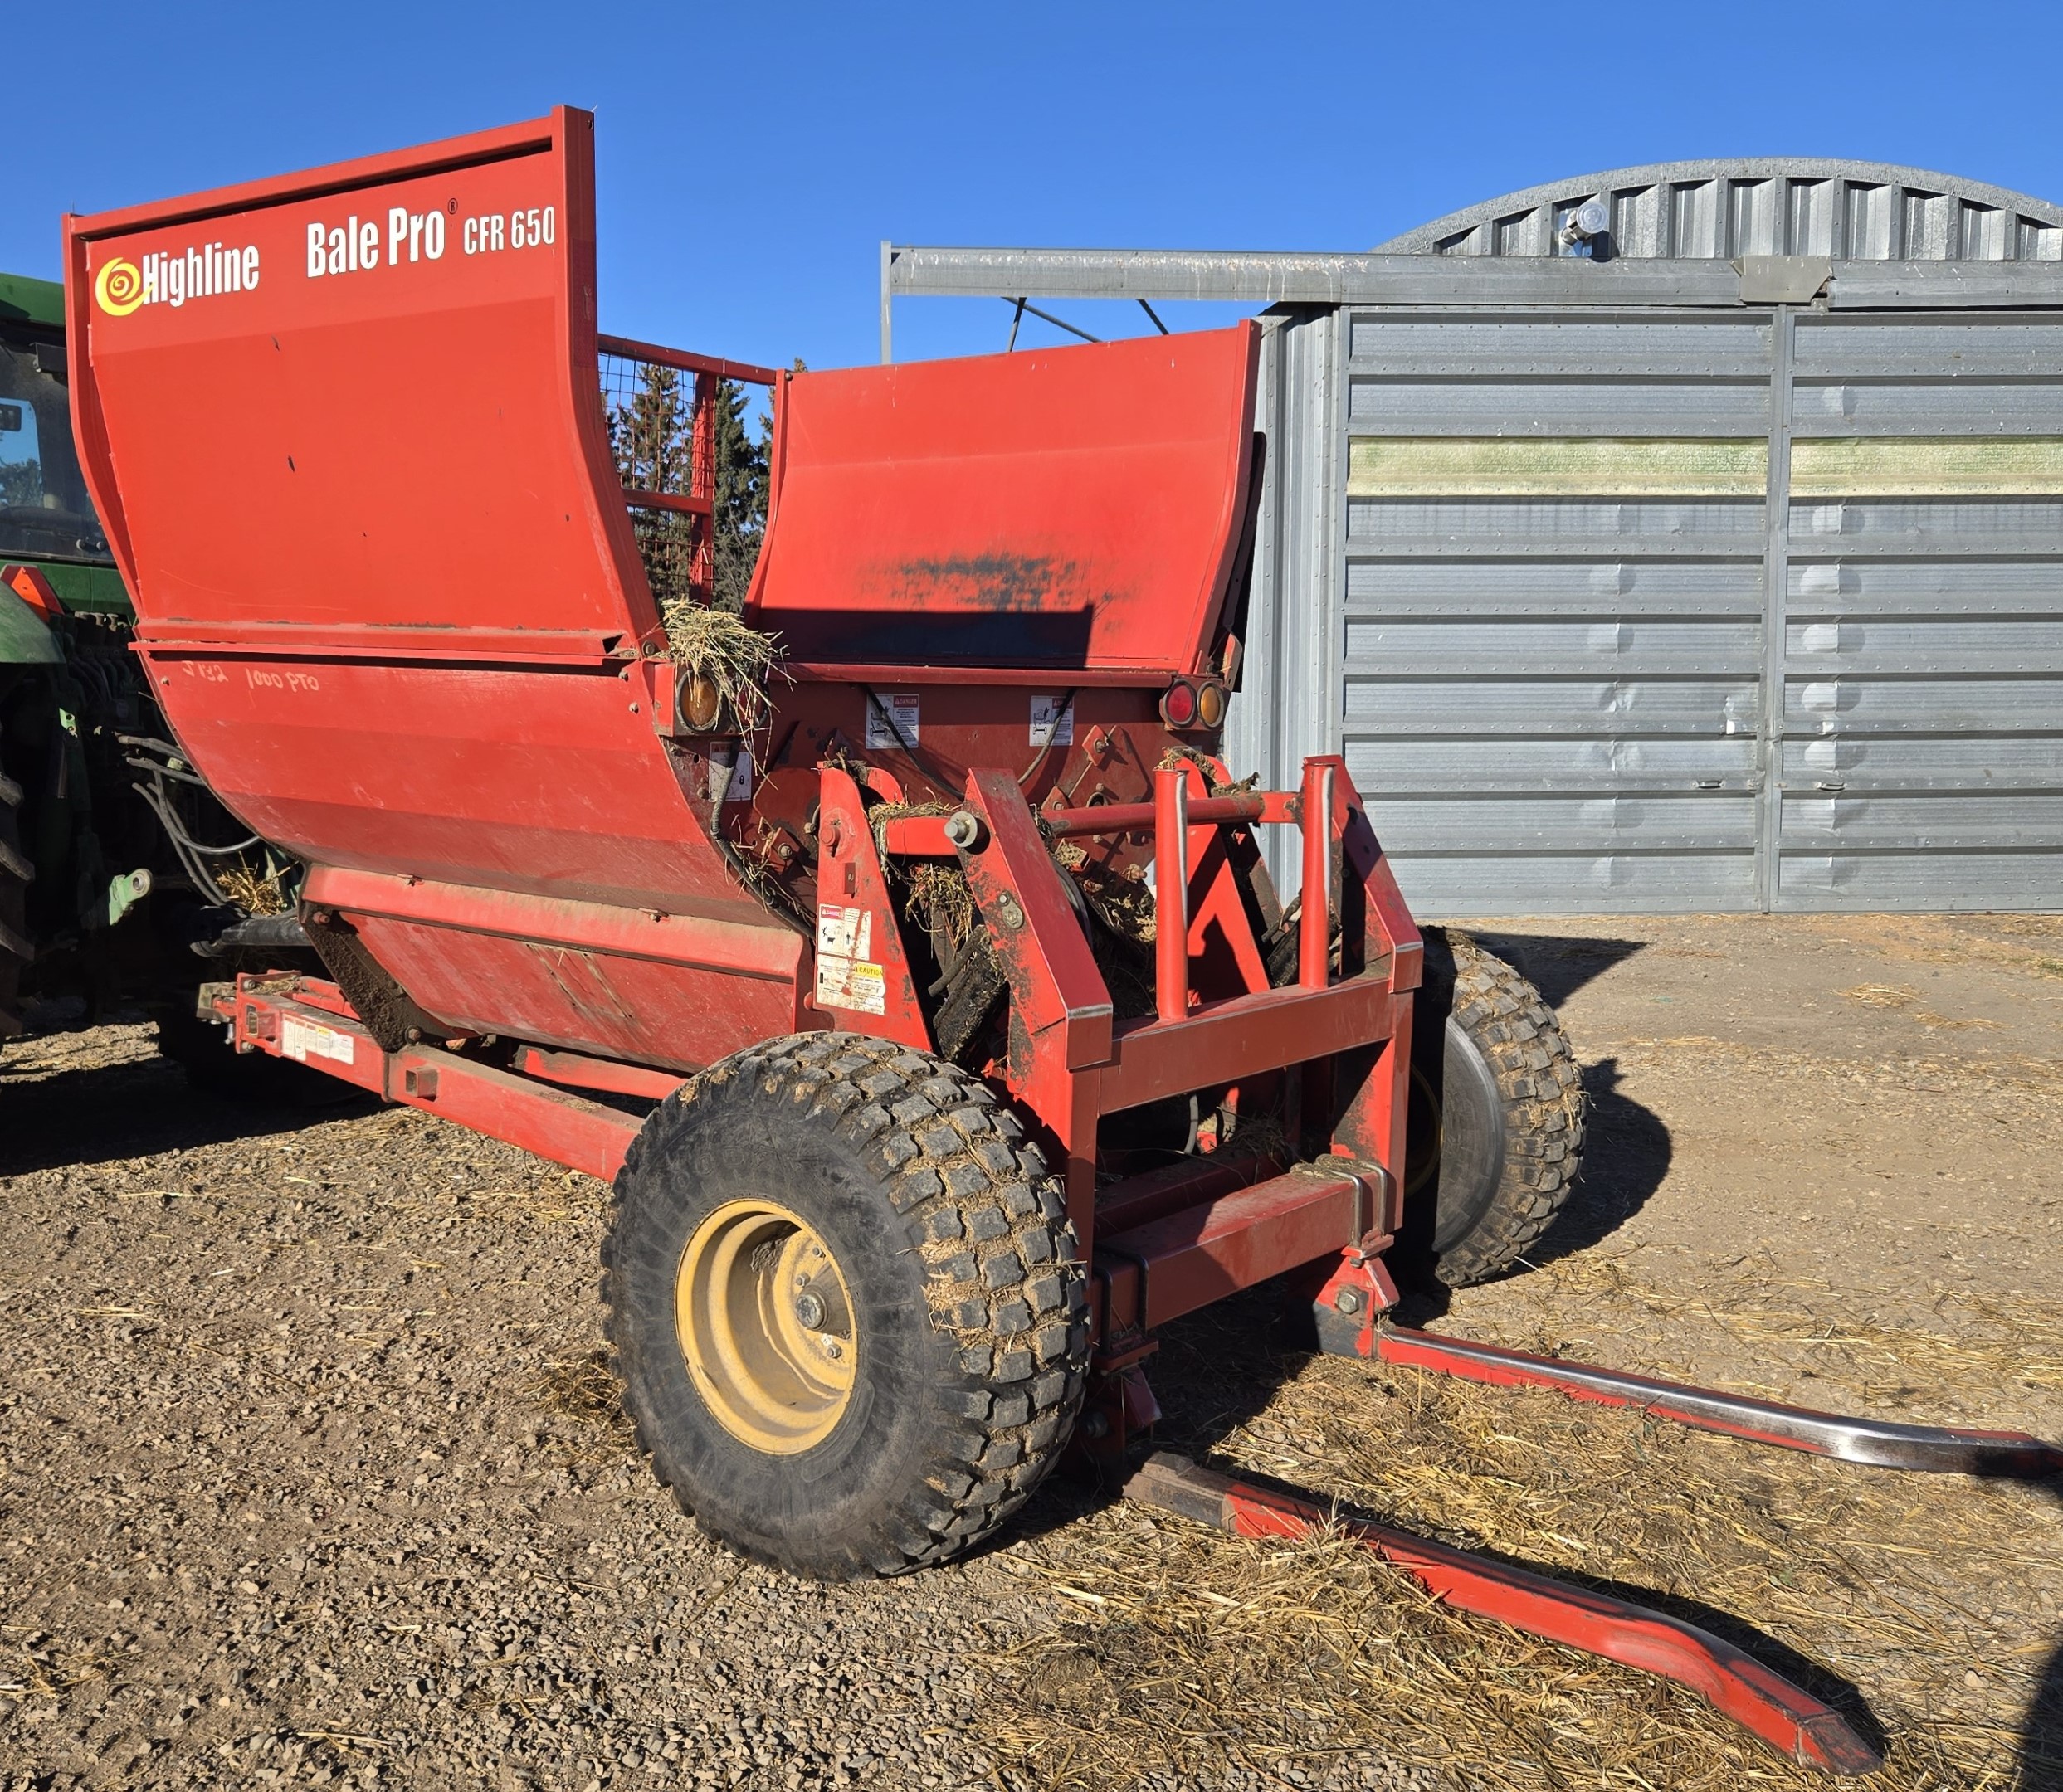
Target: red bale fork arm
927	1002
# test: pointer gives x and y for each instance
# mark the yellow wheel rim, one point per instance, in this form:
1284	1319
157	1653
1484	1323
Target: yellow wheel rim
1422	1137
765	1321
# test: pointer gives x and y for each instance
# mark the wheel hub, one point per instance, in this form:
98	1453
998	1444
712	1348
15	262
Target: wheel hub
764	1323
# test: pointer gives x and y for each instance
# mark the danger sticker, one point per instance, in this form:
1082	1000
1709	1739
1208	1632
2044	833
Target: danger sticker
1053	721
891	719
843	932
302	1039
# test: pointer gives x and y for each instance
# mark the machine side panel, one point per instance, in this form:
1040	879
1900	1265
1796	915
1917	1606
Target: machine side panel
588	1000
349	427
1073	508
543	779
369	402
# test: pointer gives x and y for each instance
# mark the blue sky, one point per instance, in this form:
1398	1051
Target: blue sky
752	157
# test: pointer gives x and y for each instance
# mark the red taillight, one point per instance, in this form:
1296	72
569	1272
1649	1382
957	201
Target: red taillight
1194	704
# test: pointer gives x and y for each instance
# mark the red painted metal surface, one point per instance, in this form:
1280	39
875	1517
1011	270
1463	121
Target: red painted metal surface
274	1015
1171	891
1162	1269
1880	1443
576	1071
937	513
1757	1698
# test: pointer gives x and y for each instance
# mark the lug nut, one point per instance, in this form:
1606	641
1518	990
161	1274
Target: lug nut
833	1349
809	1308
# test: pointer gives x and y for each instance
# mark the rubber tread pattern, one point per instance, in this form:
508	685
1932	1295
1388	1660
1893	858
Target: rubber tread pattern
16	871
1536	1072
1005	1277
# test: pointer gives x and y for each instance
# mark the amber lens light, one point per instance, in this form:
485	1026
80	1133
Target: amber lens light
1178	707
1211	704
701	704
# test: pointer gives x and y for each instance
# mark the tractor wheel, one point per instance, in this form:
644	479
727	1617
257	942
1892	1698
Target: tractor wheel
15	875
1495	1131
847	1309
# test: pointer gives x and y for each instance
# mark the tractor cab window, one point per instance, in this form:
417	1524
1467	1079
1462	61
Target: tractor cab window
44	509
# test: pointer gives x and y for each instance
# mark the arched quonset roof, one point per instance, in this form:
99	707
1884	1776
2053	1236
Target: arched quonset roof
1846	211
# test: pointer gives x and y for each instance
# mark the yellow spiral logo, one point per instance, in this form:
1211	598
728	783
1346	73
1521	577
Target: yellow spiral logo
119	287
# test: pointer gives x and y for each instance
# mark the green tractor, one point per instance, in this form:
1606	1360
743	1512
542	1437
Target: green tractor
122	880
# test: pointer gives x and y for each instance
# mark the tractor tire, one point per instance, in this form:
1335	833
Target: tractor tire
15	873
847	1310
1495	1131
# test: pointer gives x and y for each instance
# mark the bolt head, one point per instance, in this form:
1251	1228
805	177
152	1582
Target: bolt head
833	1349
809	1308
1347	1300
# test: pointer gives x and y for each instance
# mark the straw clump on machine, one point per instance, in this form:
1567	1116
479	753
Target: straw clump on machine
256	891
738	661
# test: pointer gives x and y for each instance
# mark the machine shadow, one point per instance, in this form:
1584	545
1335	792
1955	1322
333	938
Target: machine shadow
2040	1762
1557	965
139	1107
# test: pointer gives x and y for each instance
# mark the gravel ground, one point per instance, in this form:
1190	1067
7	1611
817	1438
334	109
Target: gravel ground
312	1474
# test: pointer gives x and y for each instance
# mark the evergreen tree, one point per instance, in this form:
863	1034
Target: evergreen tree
742	466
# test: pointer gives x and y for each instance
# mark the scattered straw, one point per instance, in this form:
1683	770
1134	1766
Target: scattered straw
740	661
583	1389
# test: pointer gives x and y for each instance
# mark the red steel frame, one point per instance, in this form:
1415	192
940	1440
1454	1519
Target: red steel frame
1179	1242
699	500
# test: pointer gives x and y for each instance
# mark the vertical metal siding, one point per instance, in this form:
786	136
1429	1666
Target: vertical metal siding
1923	668
1288	701
1552	697
1552	693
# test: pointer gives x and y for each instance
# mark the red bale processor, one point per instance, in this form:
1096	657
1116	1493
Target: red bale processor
974	1040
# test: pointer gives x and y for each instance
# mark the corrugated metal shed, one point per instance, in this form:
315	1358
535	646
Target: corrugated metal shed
1627	579
1845	211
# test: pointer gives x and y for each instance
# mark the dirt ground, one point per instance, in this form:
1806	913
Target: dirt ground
311	1474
